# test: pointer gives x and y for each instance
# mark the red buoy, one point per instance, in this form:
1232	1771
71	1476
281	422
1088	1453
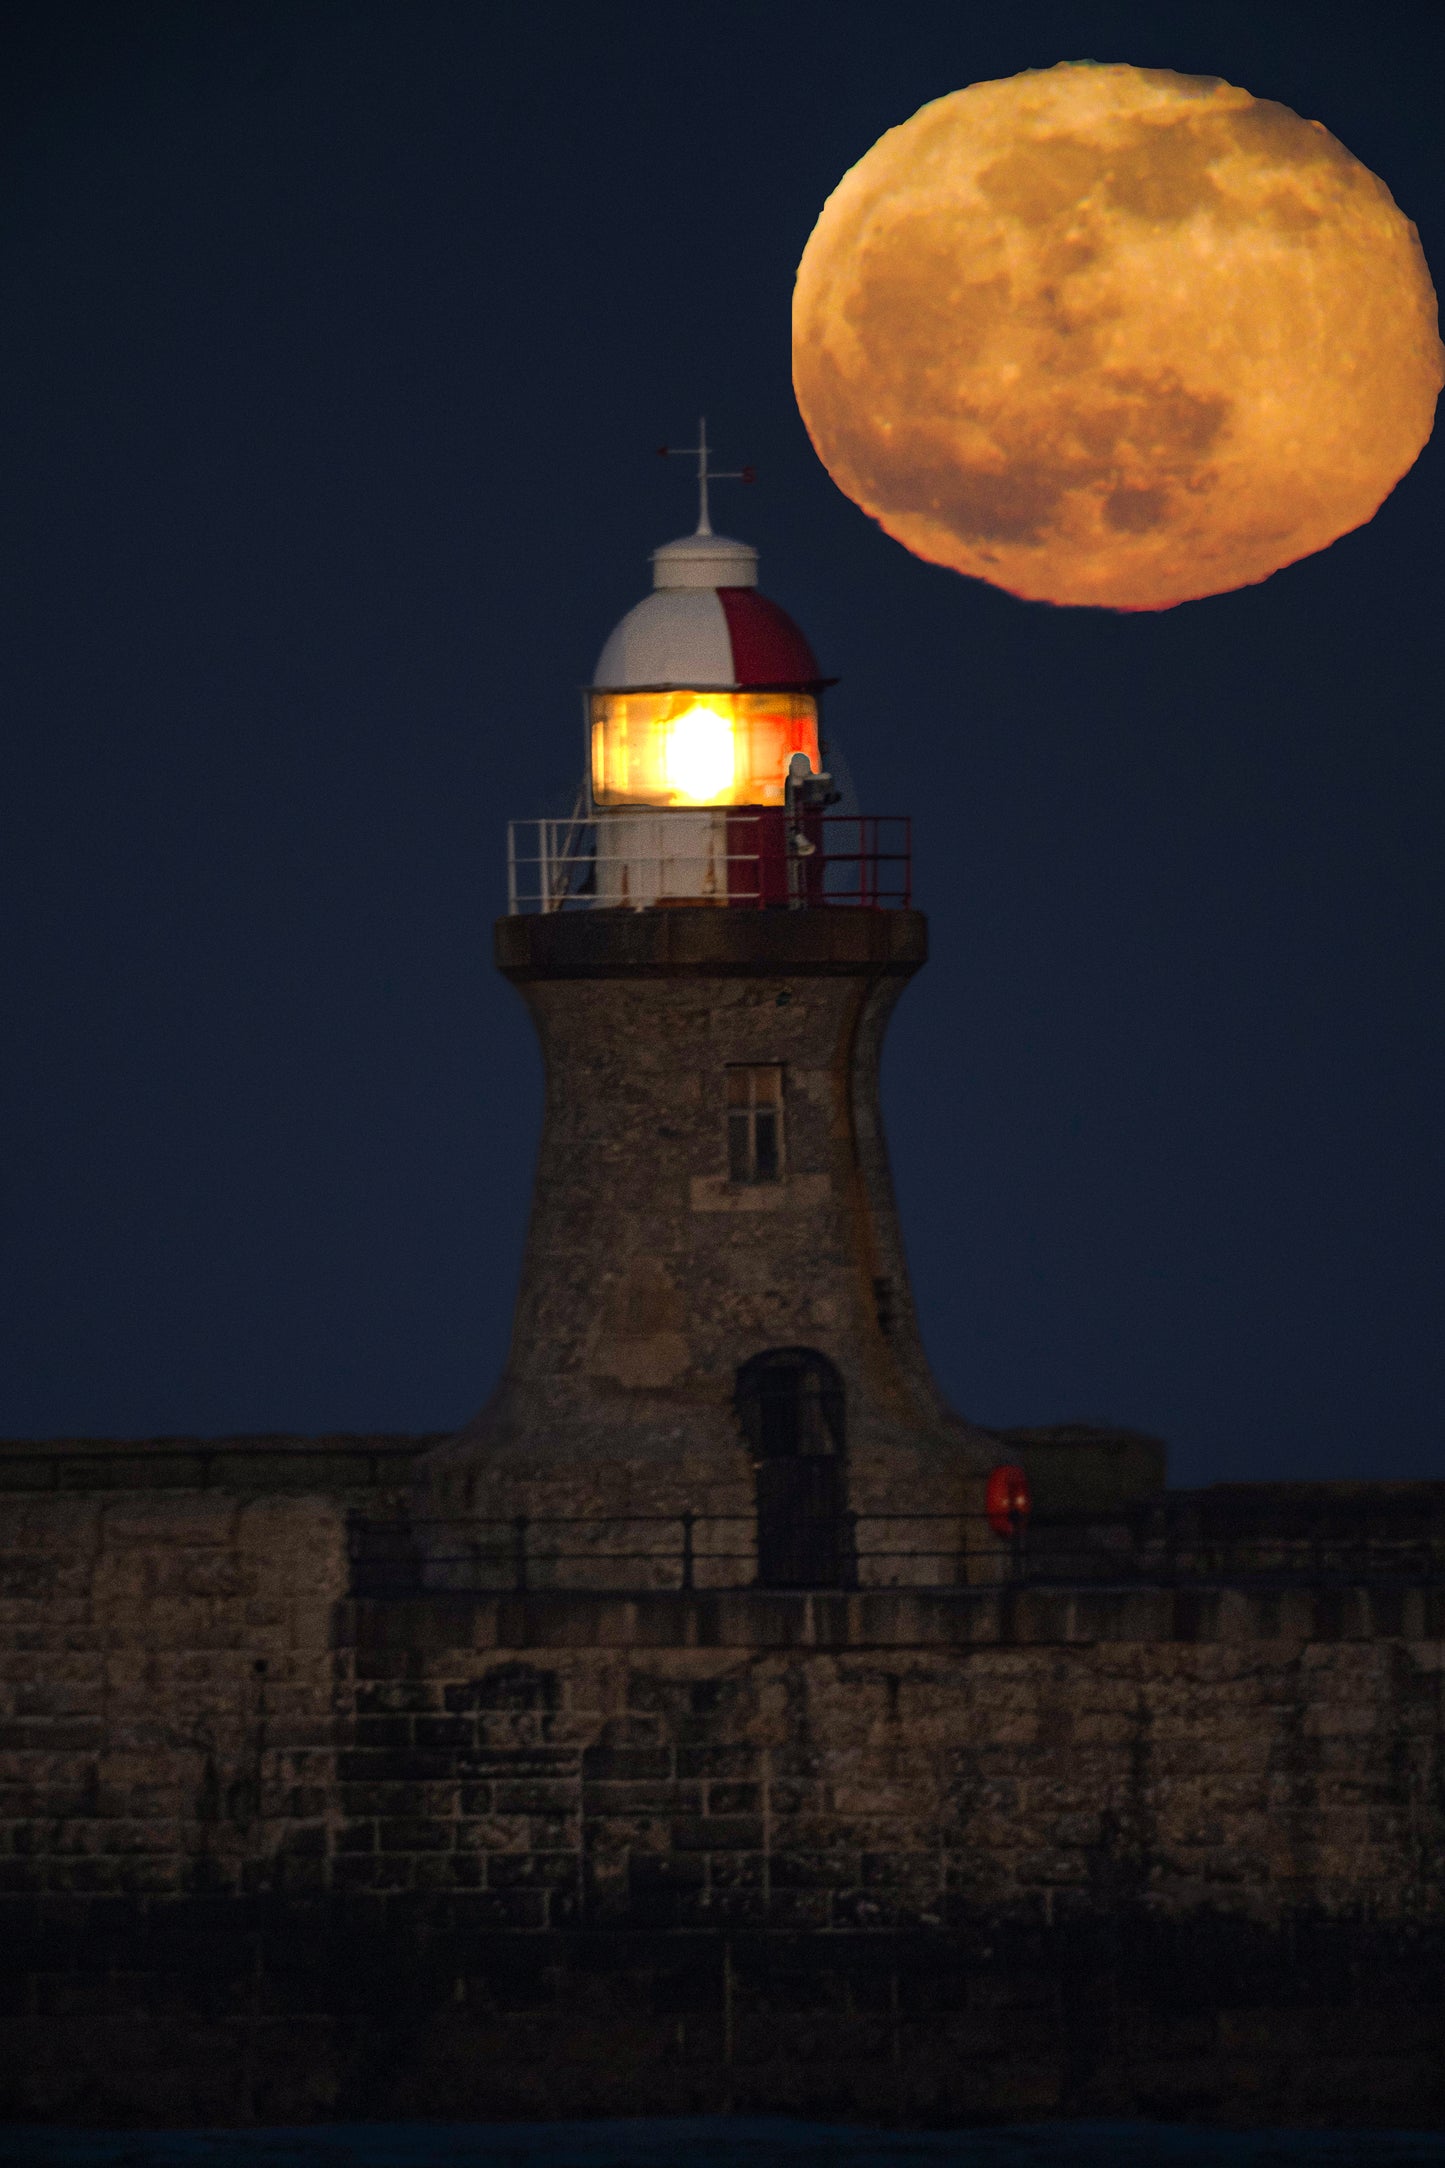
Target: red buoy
1007	1501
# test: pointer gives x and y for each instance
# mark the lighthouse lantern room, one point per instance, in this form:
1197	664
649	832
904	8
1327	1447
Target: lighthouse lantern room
705	780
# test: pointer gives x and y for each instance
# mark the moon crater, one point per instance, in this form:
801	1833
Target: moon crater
1110	335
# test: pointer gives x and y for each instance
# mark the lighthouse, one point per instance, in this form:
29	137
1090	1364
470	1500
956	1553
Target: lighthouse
714	1323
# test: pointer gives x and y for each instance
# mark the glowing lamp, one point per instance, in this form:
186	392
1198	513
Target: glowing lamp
698	747
701	760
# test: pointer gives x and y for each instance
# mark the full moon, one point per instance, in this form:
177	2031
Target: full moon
1114	336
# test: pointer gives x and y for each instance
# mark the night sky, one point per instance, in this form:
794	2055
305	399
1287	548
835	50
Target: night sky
339	339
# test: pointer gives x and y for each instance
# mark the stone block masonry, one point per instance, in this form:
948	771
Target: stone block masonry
269	1852
653	1272
876	1784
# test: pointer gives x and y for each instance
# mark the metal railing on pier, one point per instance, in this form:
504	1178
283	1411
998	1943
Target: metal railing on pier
682	1552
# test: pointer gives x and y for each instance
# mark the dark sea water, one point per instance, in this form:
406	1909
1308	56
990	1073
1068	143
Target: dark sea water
717	2142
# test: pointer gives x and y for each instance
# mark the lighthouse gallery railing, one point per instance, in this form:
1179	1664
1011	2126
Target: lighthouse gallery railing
859	861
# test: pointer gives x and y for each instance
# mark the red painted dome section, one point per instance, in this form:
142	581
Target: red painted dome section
768	648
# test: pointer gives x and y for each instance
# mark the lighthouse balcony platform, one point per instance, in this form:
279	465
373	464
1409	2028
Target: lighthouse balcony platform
747	858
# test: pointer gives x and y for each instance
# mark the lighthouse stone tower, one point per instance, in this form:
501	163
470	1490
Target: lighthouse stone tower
714	1318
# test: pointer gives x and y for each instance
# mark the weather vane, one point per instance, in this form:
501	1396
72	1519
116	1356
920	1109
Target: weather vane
705	473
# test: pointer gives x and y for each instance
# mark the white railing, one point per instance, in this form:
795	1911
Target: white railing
749	858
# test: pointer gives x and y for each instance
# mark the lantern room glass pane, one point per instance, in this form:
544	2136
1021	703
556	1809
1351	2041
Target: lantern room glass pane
698	748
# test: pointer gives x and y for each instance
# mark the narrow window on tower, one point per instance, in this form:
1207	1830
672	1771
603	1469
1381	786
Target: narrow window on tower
755	1123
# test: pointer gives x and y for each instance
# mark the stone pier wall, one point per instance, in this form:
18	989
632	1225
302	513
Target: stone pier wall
267	1852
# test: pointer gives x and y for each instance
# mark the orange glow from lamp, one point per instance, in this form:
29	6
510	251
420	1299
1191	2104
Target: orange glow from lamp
698	748
700	755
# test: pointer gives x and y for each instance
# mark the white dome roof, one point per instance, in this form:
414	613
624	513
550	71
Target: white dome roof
705	560
677	637
704	625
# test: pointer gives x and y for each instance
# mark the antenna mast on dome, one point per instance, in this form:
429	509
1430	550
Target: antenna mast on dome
705	473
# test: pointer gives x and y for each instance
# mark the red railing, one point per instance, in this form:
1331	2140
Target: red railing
776	859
